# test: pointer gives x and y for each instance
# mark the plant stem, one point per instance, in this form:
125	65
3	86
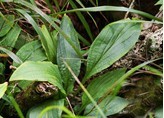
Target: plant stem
16	106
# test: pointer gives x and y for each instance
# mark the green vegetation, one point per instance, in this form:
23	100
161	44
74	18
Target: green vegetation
62	59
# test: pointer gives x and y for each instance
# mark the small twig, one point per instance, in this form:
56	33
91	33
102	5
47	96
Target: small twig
4	8
67	6
131	6
148	112
4	55
70	106
13	67
12	91
45	8
142	94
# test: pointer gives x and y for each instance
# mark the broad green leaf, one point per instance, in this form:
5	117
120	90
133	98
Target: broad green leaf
68	54
100	86
6	23
12	55
38	71
159	112
113	42
53	113
10	39
31	51
109	106
3	88
50	44
23	39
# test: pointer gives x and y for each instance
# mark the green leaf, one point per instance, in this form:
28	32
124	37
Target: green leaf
3	88
10	39
153	70
12	55
159	112
50	44
38	71
22	40
99	86
112	8
6	23
68	54
31	51
113	42
54	35
109	106
160	2
53	113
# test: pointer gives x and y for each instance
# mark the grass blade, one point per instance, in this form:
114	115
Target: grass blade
15	104
82	19
12	55
113	8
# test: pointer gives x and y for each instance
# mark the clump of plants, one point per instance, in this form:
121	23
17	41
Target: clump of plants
48	68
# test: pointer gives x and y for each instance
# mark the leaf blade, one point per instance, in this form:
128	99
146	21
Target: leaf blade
3	88
38	71
35	111
31	51
6	24
10	39
99	86
109	106
67	53
114	41
12	55
50	44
